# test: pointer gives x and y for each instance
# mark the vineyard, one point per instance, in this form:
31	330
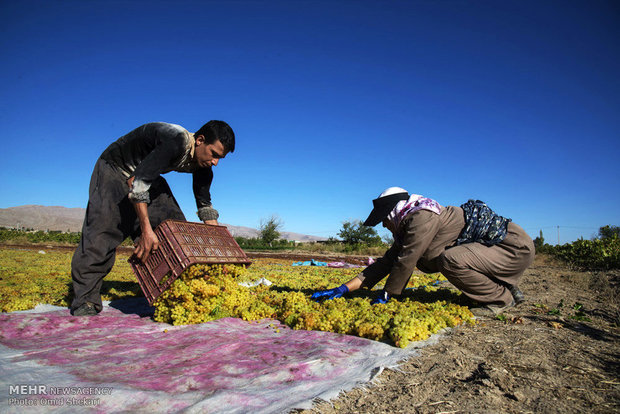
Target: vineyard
597	254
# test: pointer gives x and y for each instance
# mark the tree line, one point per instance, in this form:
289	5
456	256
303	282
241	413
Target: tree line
601	252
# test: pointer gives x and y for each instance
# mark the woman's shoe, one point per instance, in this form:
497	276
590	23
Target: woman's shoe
517	295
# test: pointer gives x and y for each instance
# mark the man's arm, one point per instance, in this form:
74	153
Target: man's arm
148	240
202	180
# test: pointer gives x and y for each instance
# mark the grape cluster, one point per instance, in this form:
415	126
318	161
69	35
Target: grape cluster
203	293
28	278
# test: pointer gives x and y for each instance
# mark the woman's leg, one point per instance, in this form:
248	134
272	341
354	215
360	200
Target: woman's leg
486	273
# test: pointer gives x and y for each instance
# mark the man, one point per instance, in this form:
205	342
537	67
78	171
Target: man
129	198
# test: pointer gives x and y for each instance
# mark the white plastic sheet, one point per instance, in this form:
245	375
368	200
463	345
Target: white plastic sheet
121	362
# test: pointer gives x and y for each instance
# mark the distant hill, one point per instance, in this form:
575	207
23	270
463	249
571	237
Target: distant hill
70	219
42	217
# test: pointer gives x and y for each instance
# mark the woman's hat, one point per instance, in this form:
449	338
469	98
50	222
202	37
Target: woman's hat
382	205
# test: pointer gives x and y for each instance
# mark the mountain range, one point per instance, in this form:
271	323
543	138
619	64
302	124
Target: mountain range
70	219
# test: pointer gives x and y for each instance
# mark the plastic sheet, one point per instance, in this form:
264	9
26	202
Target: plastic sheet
129	363
310	263
342	265
261	281
325	264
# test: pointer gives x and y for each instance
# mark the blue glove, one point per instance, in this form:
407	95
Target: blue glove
382	298
330	293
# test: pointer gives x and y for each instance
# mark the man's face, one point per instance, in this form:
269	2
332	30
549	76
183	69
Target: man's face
208	155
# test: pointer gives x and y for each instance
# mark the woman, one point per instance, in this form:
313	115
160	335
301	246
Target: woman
481	253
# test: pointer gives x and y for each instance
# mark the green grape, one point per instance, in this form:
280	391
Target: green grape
203	293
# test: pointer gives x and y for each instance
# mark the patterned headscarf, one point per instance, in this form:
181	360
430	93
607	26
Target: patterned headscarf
416	202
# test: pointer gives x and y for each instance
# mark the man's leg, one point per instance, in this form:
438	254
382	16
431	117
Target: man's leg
101	234
486	273
163	204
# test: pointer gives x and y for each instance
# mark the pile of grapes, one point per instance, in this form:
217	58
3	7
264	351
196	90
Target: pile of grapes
204	293
28	278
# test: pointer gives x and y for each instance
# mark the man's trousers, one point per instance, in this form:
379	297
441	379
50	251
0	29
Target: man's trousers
110	219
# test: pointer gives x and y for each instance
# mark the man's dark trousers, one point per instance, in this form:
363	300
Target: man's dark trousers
110	219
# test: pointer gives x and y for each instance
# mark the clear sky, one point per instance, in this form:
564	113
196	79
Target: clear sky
516	103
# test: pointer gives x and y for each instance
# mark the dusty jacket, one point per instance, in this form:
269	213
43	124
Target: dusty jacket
421	237
157	148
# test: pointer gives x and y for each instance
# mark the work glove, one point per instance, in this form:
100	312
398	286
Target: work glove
330	293
382	298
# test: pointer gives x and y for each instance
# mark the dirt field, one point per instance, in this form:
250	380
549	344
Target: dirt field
549	355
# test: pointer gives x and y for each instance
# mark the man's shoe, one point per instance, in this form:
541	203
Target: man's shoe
491	310
517	295
87	309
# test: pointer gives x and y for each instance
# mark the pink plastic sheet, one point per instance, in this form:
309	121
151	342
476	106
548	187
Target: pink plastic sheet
122	362
342	265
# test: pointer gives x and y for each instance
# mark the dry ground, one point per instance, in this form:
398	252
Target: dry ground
547	355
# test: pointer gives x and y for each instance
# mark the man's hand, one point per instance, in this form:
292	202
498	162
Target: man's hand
148	240
330	293
147	244
211	222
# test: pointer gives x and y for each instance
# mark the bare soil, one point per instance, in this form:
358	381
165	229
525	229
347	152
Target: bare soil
557	352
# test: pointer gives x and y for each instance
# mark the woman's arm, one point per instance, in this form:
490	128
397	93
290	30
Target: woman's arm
420	228
368	277
379	269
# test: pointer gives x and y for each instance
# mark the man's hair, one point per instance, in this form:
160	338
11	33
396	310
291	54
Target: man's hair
218	131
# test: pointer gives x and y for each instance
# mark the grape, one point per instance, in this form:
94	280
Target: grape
203	293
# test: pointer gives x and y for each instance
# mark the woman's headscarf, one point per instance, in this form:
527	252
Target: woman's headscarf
414	203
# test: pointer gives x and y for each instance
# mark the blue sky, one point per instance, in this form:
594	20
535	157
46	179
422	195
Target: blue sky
512	102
